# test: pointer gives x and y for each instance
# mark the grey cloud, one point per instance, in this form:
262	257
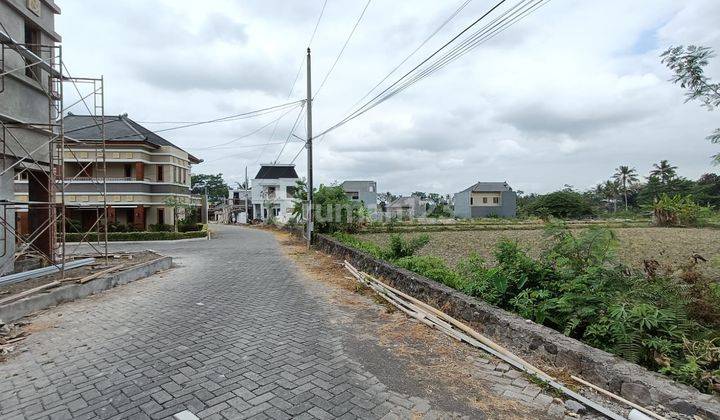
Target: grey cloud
186	72
223	28
541	119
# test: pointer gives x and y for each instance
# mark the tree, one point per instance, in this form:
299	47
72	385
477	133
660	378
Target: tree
625	176
664	171
420	194
563	204
333	210
217	189
688	65
610	190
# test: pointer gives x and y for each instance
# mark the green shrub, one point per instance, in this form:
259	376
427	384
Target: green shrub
190	227
161	227
667	324
433	268
137	236
679	210
561	204
400	248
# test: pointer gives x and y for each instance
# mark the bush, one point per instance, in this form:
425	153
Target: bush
667	324
679	211
561	204
433	268
400	248
190	227
161	227
137	236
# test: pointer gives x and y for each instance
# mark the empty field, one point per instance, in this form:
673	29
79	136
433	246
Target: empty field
667	246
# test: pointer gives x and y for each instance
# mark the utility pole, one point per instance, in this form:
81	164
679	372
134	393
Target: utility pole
308	145
247	191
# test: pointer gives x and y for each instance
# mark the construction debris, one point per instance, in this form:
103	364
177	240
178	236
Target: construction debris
435	318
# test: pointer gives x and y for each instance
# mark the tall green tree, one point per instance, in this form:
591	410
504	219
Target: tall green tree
664	171
610	191
216	187
688	65
625	176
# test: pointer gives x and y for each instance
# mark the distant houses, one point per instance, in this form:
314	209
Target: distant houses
485	199
273	192
406	207
364	192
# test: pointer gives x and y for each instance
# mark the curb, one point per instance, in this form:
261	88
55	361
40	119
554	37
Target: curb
70	292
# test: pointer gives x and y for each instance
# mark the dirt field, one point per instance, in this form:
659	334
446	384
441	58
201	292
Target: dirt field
668	246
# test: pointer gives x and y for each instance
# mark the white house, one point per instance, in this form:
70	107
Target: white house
273	192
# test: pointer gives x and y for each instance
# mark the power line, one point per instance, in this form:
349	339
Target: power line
422	44
292	130
499	24
242	116
244	135
342	49
483	16
247	146
297	75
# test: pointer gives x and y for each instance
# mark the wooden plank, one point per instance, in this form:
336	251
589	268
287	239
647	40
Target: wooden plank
28	292
485	344
617	397
100	273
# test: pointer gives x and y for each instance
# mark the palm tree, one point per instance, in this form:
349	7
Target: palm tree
625	176
610	192
664	171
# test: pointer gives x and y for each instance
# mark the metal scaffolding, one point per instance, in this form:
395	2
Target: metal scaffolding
47	178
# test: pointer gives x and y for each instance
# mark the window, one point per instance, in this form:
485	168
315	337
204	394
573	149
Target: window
32	41
372	188
161	216
160	175
291	192
484	200
496	200
128	170
471	201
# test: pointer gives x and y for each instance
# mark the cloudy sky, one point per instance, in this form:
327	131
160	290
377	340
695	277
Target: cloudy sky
562	97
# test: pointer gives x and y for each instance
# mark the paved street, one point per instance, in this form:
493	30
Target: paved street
234	331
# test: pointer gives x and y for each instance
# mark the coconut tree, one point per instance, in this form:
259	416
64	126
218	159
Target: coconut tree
610	190
625	176
664	171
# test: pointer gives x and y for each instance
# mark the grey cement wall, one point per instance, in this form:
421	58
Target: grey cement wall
536	342
7	240
67	293
24	98
462	204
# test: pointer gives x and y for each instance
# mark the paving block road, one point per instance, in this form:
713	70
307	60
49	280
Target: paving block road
235	330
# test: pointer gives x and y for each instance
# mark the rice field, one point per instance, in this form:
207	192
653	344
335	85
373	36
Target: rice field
668	246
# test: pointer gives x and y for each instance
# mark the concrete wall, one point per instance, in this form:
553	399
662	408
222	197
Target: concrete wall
536	342
7	240
462	204
23	98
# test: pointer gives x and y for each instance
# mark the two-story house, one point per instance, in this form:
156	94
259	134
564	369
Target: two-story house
29	78
364	192
273	192
147	178
486	199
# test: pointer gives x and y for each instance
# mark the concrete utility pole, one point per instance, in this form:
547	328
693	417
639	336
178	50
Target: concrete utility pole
308	145
247	191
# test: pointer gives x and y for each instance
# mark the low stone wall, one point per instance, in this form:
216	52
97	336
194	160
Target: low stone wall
67	293
530	340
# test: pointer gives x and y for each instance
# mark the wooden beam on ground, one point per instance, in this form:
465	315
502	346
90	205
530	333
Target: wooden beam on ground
28	292
100	273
